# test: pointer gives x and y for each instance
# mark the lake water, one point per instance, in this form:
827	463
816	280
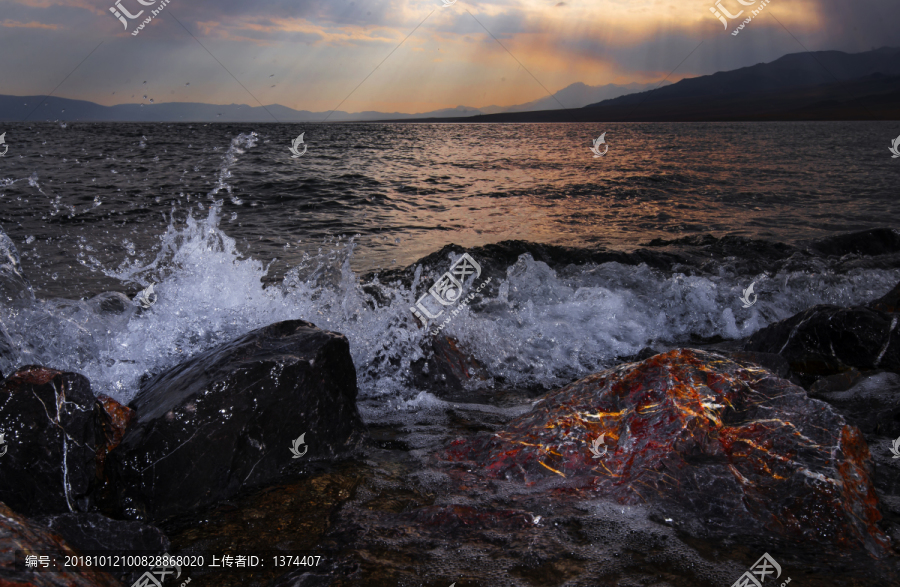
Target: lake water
234	233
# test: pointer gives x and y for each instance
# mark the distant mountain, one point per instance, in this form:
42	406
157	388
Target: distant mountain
15	108
576	95
796	70
799	86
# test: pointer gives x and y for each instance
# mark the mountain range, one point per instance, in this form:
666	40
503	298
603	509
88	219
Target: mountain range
820	85
17	108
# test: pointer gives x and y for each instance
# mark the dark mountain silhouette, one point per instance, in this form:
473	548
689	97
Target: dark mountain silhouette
824	85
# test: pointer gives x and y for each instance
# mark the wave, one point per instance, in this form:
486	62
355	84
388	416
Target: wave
542	322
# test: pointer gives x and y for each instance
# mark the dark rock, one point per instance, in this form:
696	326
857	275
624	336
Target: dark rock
872	404
94	534
876	241
733	448
53	430
447	367
839	382
226	420
889	302
825	340
18	533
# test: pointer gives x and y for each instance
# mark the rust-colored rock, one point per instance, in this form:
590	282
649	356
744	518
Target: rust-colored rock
733	447
19	533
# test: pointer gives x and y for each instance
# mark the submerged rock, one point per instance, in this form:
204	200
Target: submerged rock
52	428
19	533
734	448
250	412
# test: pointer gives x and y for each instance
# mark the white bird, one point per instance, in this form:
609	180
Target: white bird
3	142
600	141
295	143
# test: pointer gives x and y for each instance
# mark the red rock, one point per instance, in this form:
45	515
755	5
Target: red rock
735	448
19	533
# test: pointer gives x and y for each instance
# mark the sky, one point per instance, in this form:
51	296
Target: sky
403	55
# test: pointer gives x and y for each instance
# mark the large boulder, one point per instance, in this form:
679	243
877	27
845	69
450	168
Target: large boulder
826	340
18	533
730	446
251	412
54	439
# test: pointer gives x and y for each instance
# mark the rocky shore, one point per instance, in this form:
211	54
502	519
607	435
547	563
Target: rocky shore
679	466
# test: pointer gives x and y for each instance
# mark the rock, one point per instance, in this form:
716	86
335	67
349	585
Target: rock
825	340
775	364
839	382
53	431
733	448
94	533
872	404
889	302
448	367
226	420
19	533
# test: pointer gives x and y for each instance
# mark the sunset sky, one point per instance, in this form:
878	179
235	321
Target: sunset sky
310	54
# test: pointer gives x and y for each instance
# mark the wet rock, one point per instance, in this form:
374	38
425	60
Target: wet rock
20	533
95	533
826	340
251	412
731	447
872	404
775	364
448	367
53	433
839	382
889	302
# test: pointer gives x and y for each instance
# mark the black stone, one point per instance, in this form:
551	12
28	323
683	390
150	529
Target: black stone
825	340
225	420
52	428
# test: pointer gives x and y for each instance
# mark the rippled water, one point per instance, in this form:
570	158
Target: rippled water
211	213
